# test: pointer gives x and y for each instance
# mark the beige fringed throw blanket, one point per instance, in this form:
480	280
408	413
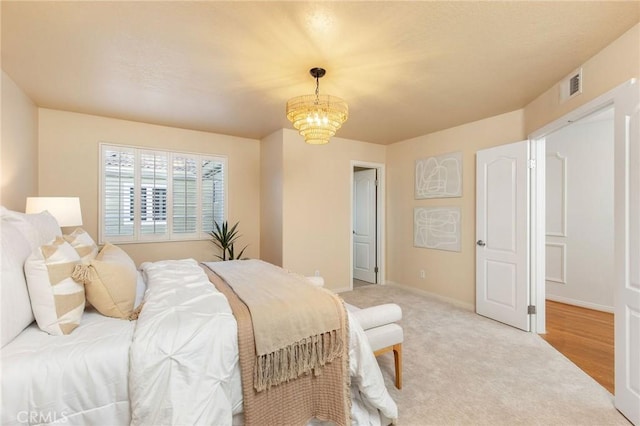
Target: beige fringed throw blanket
287	329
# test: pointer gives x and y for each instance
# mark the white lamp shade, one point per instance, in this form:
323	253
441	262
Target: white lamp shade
66	210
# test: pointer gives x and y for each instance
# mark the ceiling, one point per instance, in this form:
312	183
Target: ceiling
405	68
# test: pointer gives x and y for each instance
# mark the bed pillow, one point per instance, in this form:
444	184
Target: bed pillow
141	287
15	307
56	299
83	243
111	282
38	229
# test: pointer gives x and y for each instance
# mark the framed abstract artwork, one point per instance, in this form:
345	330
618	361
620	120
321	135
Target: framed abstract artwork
437	228
439	177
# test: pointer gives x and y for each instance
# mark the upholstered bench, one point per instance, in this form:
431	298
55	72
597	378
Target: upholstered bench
379	325
383	334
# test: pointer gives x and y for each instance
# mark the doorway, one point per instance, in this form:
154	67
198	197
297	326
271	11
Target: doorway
367	221
579	258
579	213
625	100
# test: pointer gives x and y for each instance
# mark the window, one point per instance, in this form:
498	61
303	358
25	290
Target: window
151	195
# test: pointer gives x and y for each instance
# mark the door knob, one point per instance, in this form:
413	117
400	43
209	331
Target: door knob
481	243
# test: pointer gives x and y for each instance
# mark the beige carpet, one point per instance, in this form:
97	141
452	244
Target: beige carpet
464	369
360	283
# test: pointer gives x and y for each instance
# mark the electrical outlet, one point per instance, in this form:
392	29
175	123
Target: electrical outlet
422	274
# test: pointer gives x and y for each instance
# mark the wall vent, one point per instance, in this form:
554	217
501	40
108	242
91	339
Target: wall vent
571	86
574	85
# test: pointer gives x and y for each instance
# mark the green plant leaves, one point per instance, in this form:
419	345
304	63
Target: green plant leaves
224	238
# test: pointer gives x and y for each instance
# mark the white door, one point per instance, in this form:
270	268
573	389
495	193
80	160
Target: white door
627	254
502	194
364	225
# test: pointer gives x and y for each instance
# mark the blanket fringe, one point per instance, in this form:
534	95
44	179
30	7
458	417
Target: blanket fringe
302	357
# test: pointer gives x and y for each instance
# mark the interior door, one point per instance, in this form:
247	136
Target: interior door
627	253
502	194
364	225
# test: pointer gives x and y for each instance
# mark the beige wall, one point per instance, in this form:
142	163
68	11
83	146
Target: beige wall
19	152
317	205
306	220
271	187
612	66
68	149
448	274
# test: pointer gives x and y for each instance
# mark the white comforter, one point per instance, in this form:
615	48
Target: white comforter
184	356
178	364
77	379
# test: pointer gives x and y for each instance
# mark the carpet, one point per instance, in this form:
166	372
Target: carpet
460	368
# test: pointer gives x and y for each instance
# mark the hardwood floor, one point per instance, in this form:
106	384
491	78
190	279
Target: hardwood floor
585	337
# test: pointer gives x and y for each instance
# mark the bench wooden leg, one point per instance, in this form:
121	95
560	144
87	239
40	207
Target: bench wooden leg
397	355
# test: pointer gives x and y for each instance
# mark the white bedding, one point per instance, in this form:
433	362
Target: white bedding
77	379
178	364
189	339
184	356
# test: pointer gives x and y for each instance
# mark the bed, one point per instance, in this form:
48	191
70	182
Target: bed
177	363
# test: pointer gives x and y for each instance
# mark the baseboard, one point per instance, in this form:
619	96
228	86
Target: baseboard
580	303
340	290
455	302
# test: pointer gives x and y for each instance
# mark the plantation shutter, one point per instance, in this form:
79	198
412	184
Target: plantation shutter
213	175
118	184
185	195
152	195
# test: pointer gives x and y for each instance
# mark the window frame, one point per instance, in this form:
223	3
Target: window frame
169	236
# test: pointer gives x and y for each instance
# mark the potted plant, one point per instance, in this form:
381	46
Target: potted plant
224	238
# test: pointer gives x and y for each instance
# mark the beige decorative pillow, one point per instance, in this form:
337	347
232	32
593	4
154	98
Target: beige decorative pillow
57	300
110	282
83	243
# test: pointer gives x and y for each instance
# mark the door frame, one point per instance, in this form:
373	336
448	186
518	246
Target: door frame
380	219
538	203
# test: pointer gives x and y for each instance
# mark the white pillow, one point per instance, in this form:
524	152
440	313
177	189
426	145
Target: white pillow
56	299
38	229
15	314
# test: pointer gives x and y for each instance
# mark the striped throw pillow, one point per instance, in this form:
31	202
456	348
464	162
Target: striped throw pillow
57	300
83	243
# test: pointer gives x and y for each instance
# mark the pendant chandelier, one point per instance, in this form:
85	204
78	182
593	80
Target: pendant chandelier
317	117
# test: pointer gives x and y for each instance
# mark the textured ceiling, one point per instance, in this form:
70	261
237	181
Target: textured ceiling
405	68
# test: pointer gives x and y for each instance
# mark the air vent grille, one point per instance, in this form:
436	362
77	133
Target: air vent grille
574	85
571	85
